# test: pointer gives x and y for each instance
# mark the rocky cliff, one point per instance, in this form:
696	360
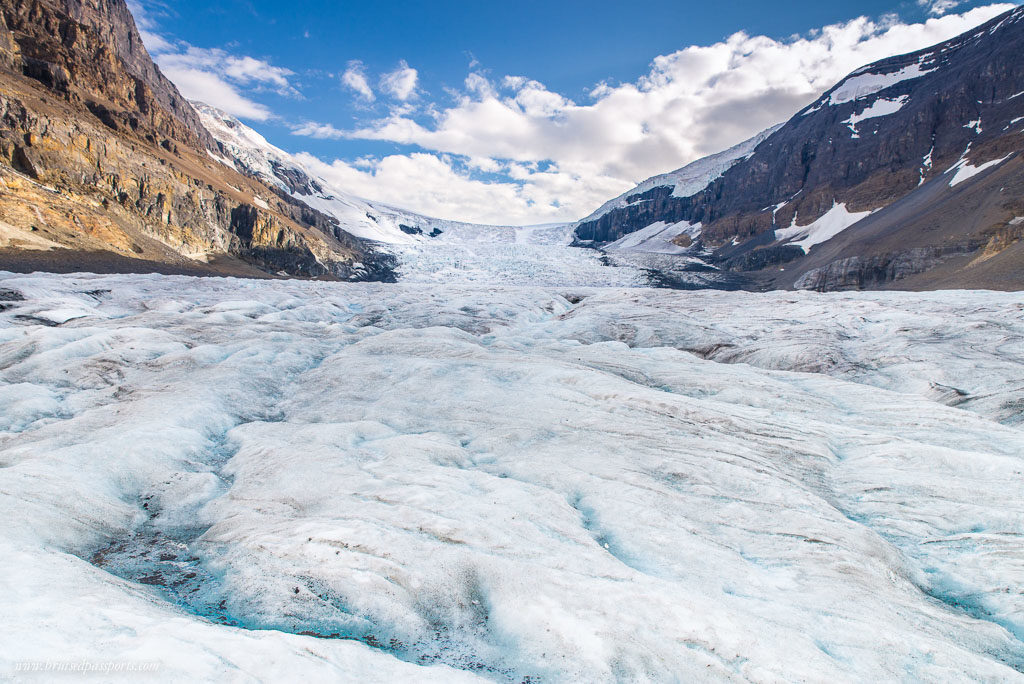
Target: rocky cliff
921	133
115	26
100	154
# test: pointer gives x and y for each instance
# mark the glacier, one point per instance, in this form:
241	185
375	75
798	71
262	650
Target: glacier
257	480
512	256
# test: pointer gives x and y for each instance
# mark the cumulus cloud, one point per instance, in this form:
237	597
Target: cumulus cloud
320	131
692	102
354	78
213	90
214	76
245	71
400	83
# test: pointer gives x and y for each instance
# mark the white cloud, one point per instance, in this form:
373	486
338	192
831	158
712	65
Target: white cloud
477	84
154	42
215	77
693	102
355	79
215	91
139	13
939	7
400	83
147	26
320	131
434	185
246	71
249	70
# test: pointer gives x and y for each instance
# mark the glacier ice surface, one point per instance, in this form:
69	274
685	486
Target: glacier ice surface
267	480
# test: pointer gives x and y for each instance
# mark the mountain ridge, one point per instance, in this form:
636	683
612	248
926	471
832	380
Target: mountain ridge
876	137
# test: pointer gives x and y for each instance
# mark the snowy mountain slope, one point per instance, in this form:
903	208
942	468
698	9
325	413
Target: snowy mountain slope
427	250
688	180
243	479
907	173
544	256
250	152
656	238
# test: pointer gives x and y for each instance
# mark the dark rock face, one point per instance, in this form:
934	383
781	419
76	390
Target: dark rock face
757	259
860	273
296	181
114	24
89	51
958	100
416	230
657	204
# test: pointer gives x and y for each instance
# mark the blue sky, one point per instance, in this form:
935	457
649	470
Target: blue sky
521	112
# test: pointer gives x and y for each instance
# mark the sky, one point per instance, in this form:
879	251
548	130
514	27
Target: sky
517	113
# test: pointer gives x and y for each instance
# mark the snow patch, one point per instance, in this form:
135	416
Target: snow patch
880	107
865	84
834	221
926	165
965	171
656	238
